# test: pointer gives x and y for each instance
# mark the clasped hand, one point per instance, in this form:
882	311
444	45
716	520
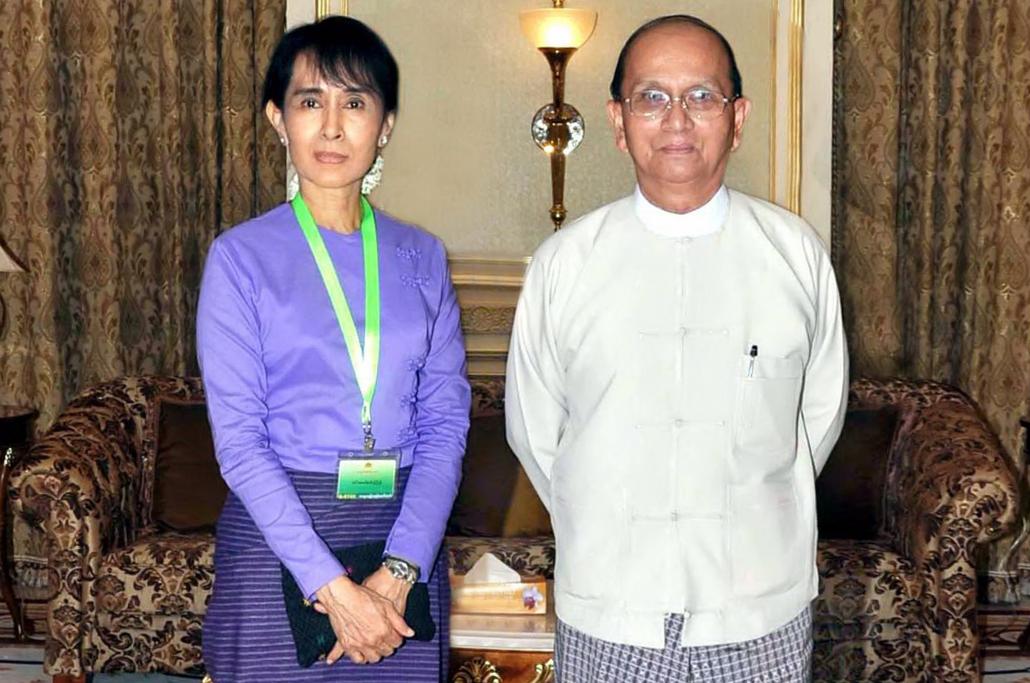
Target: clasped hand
366	618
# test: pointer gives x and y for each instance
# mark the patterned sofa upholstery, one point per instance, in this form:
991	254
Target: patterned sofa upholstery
125	595
903	607
128	597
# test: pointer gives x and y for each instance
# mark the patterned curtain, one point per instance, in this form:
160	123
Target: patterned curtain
932	198
130	134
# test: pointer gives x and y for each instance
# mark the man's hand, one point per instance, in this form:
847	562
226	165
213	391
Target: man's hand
393	589
366	624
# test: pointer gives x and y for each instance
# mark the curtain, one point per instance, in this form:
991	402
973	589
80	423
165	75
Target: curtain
131	133
931	235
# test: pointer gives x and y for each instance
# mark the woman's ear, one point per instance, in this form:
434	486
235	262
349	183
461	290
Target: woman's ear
275	116
387	127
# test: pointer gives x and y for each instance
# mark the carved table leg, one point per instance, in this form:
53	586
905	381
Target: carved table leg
6	570
477	670
544	672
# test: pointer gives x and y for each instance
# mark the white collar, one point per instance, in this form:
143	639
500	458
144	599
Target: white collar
704	220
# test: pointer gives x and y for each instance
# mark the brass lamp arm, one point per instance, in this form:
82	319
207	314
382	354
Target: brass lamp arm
558	59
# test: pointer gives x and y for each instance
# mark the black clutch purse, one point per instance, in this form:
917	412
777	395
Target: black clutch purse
312	633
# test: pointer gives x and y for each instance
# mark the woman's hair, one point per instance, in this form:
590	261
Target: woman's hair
344	51
620	66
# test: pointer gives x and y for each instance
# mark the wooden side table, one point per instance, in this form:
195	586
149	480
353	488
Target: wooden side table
15	435
503	649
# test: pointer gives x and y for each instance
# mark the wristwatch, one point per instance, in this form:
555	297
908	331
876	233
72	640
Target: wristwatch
401	569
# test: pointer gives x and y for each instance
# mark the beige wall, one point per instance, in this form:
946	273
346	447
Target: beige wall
462	163
817	117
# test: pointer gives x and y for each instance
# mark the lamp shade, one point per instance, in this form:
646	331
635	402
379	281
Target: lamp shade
7	262
559	27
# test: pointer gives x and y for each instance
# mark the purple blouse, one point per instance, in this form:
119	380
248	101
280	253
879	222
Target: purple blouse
281	393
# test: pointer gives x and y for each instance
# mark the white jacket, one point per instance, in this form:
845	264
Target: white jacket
678	468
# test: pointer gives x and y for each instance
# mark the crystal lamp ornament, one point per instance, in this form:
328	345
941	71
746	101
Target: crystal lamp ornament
547	125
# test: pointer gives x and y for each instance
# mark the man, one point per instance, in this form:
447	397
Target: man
677	378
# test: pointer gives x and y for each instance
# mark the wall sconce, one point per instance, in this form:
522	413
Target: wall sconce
7	265
324	8
557	127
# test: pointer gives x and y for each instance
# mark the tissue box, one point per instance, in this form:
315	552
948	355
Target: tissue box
527	596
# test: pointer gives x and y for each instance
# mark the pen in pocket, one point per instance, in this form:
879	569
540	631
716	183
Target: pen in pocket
751	363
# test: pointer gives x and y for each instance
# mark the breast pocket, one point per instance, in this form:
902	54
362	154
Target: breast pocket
766	420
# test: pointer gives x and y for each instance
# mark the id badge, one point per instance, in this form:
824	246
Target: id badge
367	475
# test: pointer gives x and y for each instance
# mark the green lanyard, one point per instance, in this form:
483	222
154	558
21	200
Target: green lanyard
366	365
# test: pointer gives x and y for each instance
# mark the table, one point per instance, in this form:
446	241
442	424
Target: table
494	648
15	435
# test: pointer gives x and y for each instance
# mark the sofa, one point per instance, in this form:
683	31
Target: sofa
901	605
127	595
897	600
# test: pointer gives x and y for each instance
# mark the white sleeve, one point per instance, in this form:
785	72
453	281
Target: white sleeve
535	405
825	396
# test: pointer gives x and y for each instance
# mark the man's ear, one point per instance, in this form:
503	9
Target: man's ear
618	127
741	110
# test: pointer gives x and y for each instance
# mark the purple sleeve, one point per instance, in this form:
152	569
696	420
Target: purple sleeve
441	423
235	382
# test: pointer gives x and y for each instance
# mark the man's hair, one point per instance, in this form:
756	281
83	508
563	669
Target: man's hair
620	66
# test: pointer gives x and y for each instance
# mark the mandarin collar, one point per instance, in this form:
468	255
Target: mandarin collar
704	220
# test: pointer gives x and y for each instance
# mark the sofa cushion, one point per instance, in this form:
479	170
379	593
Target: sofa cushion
148	643
166	573
867	619
496	497
864	583
849	491
188	487
528	556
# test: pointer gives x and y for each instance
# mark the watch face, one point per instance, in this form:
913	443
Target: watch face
400	569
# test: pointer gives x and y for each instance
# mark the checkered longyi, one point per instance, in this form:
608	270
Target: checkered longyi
783	656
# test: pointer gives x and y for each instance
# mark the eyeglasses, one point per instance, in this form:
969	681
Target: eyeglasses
700	103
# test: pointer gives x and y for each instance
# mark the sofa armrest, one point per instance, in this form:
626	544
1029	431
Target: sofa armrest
79	484
950	488
86	461
949	482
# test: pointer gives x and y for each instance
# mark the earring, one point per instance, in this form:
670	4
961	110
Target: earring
383	140
284	141
373	177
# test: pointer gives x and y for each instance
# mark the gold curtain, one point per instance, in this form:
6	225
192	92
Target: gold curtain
932	196
130	135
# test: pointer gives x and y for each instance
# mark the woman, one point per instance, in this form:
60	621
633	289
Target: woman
295	308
